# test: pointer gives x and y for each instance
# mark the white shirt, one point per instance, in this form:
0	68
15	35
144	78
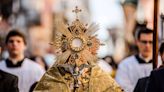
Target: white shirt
28	73
129	71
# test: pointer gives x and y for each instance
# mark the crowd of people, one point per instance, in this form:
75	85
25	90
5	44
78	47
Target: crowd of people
132	73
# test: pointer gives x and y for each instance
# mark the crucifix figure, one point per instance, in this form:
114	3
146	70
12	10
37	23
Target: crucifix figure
77	10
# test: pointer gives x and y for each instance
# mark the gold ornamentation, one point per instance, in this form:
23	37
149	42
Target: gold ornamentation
81	43
77	39
75	69
79	47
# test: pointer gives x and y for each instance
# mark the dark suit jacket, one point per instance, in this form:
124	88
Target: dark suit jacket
8	82
142	85
156	82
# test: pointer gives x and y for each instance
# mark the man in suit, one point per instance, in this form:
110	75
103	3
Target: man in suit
156	83
8	82
142	85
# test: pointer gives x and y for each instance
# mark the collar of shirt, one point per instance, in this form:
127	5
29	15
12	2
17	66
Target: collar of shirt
10	64
141	60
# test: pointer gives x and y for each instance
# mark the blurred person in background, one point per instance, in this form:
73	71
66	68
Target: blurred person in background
136	12
111	26
28	72
111	62
161	51
40	60
39	45
5	12
130	14
130	8
136	66
104	65
9	82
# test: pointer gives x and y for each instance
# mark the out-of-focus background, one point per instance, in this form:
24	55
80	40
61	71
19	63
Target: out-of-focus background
117	19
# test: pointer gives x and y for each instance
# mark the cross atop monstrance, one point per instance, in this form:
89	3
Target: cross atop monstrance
77	10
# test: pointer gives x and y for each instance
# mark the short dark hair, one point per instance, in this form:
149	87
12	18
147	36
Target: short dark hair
15	32
161	49
142	30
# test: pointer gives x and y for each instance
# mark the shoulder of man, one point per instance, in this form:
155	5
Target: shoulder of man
33	65
8	75
127	60
158	72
